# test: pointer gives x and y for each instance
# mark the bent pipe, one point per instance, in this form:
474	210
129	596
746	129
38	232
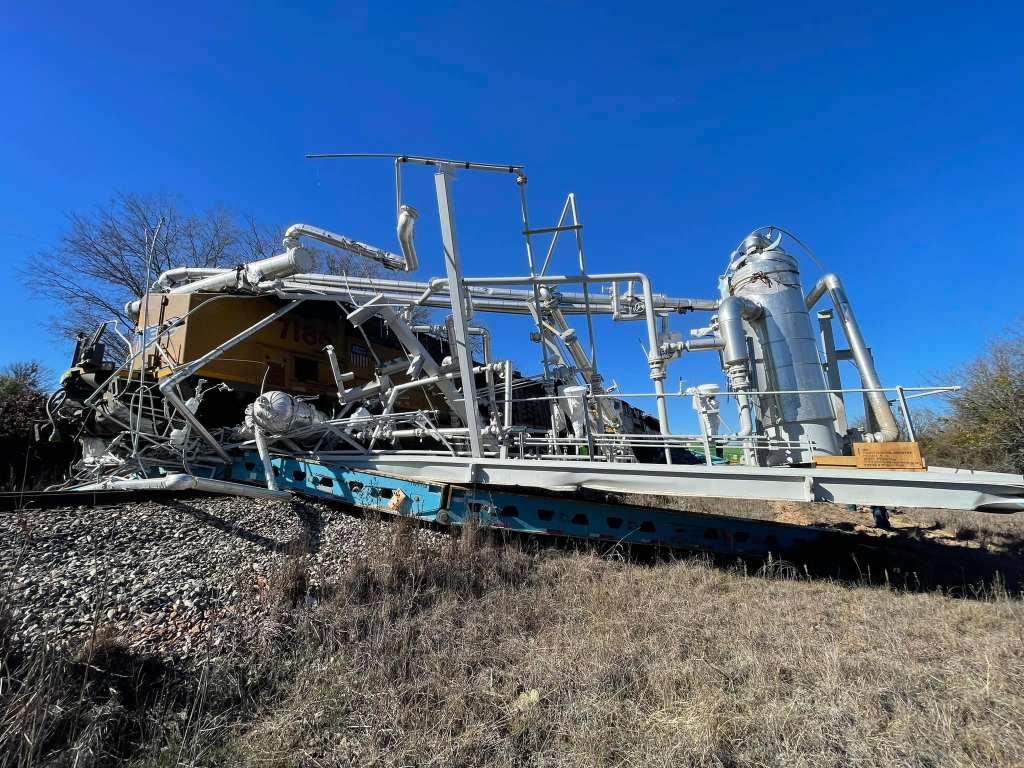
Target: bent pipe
406	229
386	258
209	280
182	482
889	430
731	313
172	277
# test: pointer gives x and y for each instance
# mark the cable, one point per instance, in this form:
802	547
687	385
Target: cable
792	237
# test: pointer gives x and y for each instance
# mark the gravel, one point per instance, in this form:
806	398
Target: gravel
167	576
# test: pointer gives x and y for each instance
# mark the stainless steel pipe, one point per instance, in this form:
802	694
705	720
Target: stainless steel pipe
889	430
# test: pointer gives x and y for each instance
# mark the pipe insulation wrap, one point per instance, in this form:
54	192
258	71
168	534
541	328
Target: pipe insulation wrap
278	412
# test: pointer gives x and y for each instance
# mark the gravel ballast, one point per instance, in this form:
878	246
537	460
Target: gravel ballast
164	575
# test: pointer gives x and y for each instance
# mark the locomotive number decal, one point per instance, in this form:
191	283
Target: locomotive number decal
303	333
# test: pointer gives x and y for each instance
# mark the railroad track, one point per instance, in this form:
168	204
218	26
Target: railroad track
14	501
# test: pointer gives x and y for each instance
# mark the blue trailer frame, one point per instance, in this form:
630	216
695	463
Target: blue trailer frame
527	513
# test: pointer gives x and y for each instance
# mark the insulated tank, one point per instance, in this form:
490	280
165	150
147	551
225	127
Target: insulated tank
783	353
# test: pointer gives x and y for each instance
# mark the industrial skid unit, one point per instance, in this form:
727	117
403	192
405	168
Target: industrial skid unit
271	378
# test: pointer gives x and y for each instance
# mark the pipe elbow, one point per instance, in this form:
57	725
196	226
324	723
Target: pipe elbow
731	313
292	235
739	307
889	433
746	417
406	228
825	284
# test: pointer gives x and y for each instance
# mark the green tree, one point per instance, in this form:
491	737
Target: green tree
983	427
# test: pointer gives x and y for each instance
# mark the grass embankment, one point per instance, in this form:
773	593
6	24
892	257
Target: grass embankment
493	656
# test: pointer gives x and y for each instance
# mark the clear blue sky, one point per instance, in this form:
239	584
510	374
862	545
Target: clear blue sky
889	138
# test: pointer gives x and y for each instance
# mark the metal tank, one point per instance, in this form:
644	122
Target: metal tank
782	350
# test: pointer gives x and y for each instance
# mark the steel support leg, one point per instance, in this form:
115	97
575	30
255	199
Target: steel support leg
457	291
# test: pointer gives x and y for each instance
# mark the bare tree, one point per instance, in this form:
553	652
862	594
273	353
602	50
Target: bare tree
101	261
19	377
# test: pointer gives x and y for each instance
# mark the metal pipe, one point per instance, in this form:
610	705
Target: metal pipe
889	430
264	451
431	380
731	313
924	392
406	228
410	341
832	373
340	379
167	389
473	330
586	288
906	414
654	359
704	345
485	334
171	277
418	160
584	364
292	261
182	482
507	404
167	385
422	291
388	259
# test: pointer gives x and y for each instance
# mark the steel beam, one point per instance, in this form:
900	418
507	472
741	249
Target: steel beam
941	488
460	342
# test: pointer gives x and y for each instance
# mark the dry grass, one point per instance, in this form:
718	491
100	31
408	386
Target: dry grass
493	657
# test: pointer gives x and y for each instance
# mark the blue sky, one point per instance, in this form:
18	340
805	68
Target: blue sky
887	137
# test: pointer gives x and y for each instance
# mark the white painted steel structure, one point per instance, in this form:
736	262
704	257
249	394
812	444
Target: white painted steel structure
787	390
